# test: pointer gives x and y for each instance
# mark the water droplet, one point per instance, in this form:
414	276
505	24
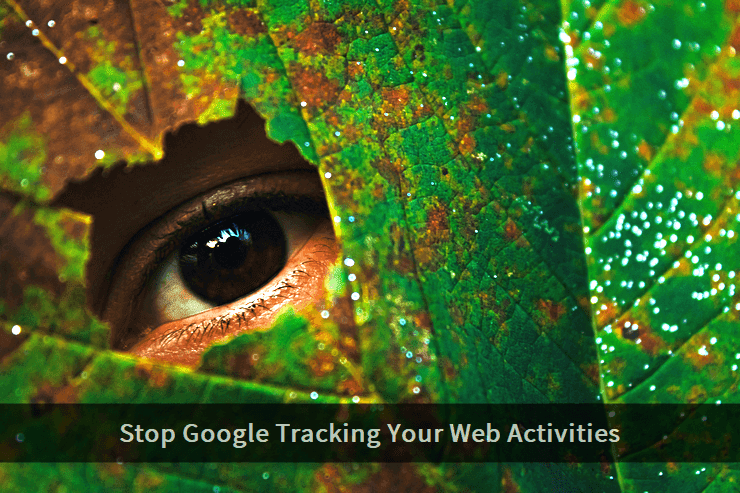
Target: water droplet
11	55
16	330
51	23
99	154
63	60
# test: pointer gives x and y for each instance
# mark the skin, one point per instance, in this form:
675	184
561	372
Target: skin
126	202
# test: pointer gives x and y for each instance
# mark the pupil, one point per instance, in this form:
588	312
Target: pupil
230	253
233	258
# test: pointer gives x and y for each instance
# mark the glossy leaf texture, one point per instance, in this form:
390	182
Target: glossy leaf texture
444	136
654	96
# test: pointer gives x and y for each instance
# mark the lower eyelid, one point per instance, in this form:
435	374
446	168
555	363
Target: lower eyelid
168	298
183	341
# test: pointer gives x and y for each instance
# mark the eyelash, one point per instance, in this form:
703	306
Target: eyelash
238	315
154	246
206	328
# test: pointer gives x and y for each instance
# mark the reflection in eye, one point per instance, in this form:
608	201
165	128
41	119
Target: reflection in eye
233	257
223	263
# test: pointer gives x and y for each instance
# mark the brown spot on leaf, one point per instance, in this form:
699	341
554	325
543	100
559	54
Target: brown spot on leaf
318	38
606	314
597	144
449	370
732	6
551	54
508	485
467	145
349	386
321	364
508	128
730	82
26	255
437	219
552	309
702	106
630	13
645	151
697	394
698	358
713	163
511	230
247	23
528	145
240	366
650	342
50	394
313	87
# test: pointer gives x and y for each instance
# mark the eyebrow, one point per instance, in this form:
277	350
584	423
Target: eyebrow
123	199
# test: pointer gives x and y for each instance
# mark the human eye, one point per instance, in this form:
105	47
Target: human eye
223	263
238	249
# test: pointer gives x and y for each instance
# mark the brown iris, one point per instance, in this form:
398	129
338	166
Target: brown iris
234	257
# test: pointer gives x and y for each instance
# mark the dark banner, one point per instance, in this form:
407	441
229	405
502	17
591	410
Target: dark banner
368	433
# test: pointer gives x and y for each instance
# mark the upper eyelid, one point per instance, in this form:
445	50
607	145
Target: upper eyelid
146	251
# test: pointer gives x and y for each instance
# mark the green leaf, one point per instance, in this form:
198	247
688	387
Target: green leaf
654	100
537	202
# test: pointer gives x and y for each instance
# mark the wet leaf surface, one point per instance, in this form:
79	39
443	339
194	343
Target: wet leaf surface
493	258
